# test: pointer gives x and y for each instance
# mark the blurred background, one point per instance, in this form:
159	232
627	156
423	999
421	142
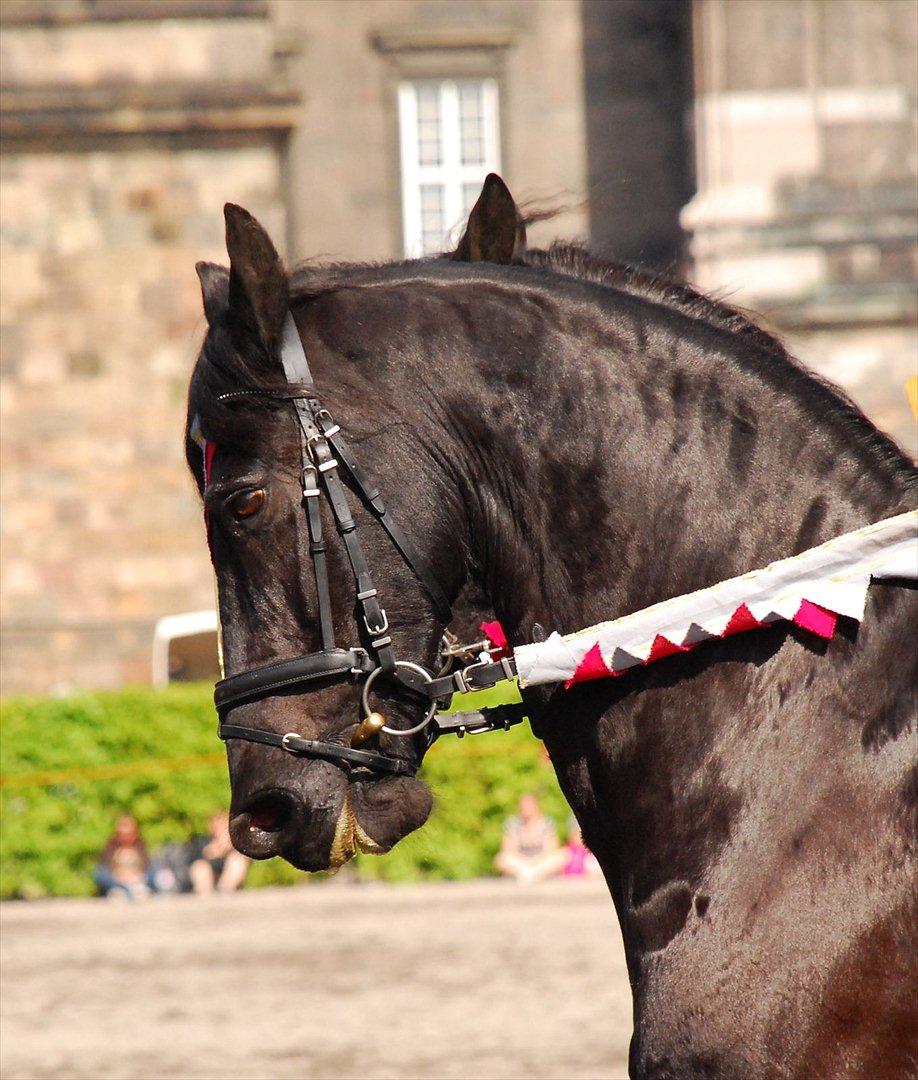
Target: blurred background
763	149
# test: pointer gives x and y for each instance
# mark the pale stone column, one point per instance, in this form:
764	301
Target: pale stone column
804	121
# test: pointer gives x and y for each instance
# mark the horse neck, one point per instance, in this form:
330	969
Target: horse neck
610	478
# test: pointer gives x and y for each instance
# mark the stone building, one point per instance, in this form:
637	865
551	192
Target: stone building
805	142
360	129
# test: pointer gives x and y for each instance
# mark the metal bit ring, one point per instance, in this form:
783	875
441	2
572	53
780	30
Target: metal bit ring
367	709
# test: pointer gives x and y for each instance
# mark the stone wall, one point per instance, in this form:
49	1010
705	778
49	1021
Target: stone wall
127	124
107	203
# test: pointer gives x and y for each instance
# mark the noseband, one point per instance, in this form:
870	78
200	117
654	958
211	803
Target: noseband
323	451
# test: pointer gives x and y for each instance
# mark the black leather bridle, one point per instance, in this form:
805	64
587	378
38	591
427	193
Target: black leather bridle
323	451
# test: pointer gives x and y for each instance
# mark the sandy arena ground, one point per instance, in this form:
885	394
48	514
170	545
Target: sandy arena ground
482	979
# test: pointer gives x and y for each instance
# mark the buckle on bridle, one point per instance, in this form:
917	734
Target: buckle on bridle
310	487
460	676
358	653
285	745
375	631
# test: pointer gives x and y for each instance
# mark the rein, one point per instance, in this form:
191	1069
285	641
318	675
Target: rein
809	589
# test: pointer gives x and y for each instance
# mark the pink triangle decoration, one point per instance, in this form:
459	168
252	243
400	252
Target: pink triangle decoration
815	618
812	590
741	619
810	616
592	666
663	647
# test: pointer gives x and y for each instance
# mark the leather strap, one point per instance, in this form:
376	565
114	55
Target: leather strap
310	481
373	500
293	355
374	618
474	677
268	679
296	744
296	368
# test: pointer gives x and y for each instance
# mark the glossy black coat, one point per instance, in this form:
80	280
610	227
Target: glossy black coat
577	441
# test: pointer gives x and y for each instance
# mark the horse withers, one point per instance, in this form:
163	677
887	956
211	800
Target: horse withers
576	440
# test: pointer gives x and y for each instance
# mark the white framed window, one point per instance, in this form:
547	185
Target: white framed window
450	141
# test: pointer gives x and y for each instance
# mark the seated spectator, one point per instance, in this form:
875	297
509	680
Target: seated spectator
170	869
123	872
577	861
529	851
216	864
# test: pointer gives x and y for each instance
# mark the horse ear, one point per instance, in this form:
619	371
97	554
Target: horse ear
495	232
214	281
257	292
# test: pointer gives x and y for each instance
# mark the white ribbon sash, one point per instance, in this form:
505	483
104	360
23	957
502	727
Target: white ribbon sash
810	589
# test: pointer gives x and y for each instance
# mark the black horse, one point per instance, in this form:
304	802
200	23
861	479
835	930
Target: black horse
578	441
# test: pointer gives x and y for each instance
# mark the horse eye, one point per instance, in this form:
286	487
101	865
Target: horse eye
247	503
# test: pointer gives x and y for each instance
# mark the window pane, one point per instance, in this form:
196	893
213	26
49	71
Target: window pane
470	99
429	133
448	144
433	225
471	122
428	100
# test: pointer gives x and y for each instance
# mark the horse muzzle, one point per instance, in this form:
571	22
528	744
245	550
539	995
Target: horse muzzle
296	821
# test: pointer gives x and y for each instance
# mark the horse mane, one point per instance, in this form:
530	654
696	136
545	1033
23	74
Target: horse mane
578	261
574	260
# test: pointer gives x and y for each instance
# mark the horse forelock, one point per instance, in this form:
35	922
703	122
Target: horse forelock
223	369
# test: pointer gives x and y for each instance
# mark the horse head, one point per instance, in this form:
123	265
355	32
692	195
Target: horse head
374	599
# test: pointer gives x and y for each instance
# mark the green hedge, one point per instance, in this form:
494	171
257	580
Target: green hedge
59	803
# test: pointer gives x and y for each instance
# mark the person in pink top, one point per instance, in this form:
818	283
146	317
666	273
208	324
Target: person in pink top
530	851
579	861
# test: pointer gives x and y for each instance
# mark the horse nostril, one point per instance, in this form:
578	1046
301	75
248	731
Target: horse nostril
259	828
269	814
